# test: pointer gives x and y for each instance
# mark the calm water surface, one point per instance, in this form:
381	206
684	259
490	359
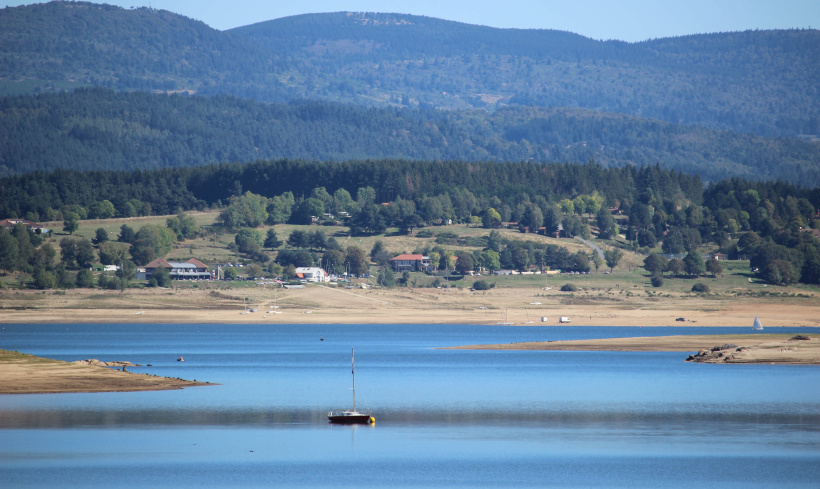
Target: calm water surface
445	418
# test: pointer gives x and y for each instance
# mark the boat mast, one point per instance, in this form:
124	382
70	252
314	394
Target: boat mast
353	364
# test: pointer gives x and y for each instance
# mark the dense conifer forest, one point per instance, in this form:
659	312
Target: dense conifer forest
99	129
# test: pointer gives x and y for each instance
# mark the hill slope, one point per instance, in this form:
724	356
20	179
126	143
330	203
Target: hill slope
756	82
102	129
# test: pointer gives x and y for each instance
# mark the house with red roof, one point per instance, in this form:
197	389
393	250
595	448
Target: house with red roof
192	269
410	262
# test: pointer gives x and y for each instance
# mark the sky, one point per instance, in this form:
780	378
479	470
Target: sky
625	20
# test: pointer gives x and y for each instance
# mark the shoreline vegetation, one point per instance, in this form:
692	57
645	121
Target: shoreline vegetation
28	374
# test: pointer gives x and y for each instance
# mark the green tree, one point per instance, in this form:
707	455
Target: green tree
230	273
8	251
112	253
464	263
65	279
596	259
714	267
127	234
44	279
612	258
183	226
655	264
298	239
435	260
127	271
607	228
248	240
676	266
357	261
102	209
694	264
307	210
70	225
272	241
151	241
491	260
386	277
85	254
162	277
85	279
100	236
249	210
280	208
491	218
68	251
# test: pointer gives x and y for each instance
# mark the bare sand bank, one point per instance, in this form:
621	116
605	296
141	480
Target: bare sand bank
28	374
330	305
743	348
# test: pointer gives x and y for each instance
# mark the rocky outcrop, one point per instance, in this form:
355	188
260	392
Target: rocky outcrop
795	350
98	363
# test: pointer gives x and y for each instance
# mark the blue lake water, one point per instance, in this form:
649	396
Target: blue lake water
444	418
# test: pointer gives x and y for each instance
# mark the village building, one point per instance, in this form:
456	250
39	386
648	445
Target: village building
410	262
34	226
312	274
192	269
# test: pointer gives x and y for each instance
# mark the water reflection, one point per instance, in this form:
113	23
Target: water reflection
626	417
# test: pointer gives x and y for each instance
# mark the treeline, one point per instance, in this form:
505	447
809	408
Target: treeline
771	223
47	196
99	129
754	82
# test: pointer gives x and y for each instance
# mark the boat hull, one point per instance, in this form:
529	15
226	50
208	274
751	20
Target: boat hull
349	418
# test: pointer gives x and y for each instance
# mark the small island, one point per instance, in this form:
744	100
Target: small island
29	374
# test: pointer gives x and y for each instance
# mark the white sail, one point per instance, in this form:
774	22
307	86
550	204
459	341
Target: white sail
757	325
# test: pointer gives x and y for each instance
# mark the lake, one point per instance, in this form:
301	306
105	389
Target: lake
444	418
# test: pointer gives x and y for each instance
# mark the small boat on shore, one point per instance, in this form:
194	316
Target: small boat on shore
351	416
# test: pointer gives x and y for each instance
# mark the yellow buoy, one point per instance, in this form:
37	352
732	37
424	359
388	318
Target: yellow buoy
371	420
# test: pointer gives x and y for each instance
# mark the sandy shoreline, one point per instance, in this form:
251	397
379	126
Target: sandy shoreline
328	305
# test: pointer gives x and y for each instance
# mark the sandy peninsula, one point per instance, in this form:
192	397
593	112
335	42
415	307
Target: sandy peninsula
735	348
28	374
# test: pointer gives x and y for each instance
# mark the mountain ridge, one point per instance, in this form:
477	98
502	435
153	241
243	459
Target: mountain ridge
752	81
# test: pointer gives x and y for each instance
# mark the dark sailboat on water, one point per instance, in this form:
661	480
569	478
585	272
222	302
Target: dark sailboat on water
351	416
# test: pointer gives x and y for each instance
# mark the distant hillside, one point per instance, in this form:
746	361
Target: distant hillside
94	129
761	82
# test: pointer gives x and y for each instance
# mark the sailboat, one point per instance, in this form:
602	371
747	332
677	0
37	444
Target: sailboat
140	311
351	416
274	307
757	325
504	321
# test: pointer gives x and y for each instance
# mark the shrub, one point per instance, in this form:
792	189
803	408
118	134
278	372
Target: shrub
424	233
481	285
568	288
700	288
657	281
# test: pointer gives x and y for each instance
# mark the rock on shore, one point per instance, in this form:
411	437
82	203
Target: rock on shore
799	349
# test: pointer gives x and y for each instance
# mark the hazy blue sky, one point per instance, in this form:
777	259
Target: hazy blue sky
627	20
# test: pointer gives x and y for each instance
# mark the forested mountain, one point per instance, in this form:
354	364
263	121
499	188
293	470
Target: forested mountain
761	82
99	129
